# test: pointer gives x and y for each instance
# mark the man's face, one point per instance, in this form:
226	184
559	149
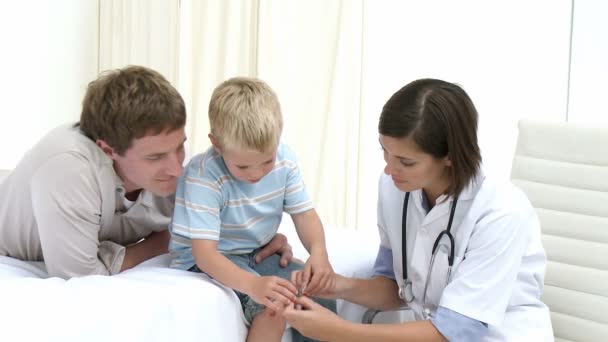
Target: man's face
248	165
152	163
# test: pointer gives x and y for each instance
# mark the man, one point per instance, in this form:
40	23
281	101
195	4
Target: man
96	197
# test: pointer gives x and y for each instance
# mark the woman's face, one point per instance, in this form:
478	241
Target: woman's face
411	168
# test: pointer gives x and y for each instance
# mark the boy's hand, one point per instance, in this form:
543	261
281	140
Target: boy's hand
318	276
273	292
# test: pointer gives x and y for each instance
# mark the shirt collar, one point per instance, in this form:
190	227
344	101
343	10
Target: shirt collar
468	193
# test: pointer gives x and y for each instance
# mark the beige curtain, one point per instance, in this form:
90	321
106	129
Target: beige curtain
142	32
218	40
334	63
310	52
313	65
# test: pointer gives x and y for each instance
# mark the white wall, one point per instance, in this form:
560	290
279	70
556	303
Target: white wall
49	55
589	71
510	56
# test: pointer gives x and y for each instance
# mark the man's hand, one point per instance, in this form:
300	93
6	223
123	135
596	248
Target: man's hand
278	245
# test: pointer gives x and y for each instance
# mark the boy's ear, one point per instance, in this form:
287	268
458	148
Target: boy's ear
107	149
216	146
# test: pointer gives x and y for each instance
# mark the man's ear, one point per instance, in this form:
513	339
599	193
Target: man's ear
107	149
214	142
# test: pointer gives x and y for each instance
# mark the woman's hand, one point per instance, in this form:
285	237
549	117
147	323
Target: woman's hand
313	320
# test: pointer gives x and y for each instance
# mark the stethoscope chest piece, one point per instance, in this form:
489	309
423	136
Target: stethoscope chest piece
405	291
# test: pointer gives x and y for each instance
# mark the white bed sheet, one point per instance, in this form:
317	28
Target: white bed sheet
150	302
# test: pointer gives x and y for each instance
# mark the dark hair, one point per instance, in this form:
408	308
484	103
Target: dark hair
442	120
126	104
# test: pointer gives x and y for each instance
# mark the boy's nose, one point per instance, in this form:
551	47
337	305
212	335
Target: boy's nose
256	174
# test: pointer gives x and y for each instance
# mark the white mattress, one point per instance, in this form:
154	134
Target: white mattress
150	302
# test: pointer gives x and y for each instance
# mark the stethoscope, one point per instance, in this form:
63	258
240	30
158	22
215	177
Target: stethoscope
405	290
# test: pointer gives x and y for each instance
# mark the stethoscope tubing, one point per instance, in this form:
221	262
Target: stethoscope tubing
405	291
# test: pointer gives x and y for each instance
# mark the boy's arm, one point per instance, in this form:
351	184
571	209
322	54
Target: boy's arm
310	231
263	290
318	275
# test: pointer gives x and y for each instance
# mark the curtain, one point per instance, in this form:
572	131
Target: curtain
141	32
333	64
310	53
218	41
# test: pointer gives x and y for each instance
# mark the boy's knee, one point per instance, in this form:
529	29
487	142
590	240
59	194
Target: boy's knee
329	304
271	316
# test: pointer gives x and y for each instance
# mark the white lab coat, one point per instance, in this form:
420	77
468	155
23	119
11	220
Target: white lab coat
499	262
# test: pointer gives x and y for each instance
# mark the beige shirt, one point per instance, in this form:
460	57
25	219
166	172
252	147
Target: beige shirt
64	204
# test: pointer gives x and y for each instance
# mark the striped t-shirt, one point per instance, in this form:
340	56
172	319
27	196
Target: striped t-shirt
211	204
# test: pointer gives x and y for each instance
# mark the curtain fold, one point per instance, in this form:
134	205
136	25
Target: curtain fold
310	53
142	32
334	63
218	40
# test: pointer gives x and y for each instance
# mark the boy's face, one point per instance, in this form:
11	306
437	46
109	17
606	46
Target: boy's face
152	162
248	165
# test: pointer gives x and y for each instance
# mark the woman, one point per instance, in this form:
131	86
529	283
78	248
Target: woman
486	277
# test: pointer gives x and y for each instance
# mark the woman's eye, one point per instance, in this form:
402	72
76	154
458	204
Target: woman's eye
407	164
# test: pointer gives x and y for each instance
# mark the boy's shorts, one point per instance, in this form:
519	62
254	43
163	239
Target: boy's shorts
268	267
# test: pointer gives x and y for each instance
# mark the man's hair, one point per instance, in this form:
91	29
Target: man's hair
244	113
129	103
442	120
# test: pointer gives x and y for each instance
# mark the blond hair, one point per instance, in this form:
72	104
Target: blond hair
244	113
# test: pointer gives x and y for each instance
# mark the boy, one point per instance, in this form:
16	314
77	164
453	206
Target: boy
230	201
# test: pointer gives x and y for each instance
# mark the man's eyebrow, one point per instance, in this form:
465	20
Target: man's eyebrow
159	154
